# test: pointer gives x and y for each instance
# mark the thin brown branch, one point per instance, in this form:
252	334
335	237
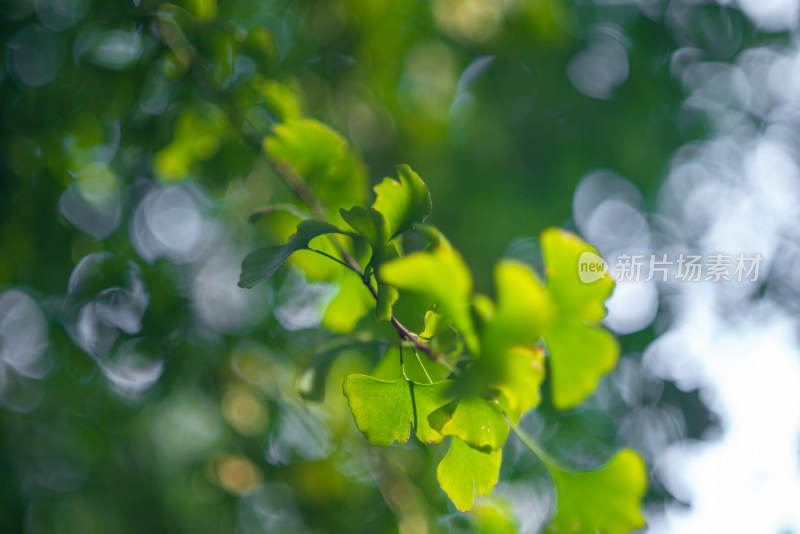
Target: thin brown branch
174	40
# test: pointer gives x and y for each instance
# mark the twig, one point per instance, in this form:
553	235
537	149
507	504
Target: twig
294	182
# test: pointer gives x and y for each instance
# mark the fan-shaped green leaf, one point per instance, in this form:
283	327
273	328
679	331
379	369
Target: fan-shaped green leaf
403	202
443	276
384	411
606	500
577	299
416	367
466	472
579	356
520	381
476	421
524	309
440	334
580	352
320	157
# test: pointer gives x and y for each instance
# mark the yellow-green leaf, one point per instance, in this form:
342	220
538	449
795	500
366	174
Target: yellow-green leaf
403	202
416	367
466	473
441	275
281	101
385	410
440	334
581	352
321	158
371	224
524	309
477	422
427	398
579	356
579	300
606	500
350	304
521	379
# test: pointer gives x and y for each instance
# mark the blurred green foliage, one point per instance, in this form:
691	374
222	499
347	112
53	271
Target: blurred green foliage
140	389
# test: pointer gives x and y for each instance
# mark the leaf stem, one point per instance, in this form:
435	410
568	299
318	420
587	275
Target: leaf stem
430	381
337	260
534	447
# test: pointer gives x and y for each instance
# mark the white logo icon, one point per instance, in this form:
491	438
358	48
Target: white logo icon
591	267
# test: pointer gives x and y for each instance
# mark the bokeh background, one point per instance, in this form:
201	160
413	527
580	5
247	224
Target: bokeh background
142	391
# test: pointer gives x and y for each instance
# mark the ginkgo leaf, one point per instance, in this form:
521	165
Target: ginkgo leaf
443	276
372	225
352	302
607	499
416	367
321	158
577	299
262	263
387	296
439	333
308	145
434	236
524	309
466	473
579	357
403	202
427	398
382	410
580	351
385	410
281	101
483	307
475	421
522	376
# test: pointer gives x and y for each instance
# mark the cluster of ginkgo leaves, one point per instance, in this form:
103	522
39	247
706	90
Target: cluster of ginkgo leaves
477	366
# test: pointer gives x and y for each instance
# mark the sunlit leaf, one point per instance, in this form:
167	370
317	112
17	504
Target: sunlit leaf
368	223
441	275
427	398
483	308
403	202
579	300
607	499
524	309
262	263
440	334
434	236
281	101
579	357
385	410
387	296
475	421
580	351
466	473
352	302
382	410
371	225
308	145
416	367
521	379
321	158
